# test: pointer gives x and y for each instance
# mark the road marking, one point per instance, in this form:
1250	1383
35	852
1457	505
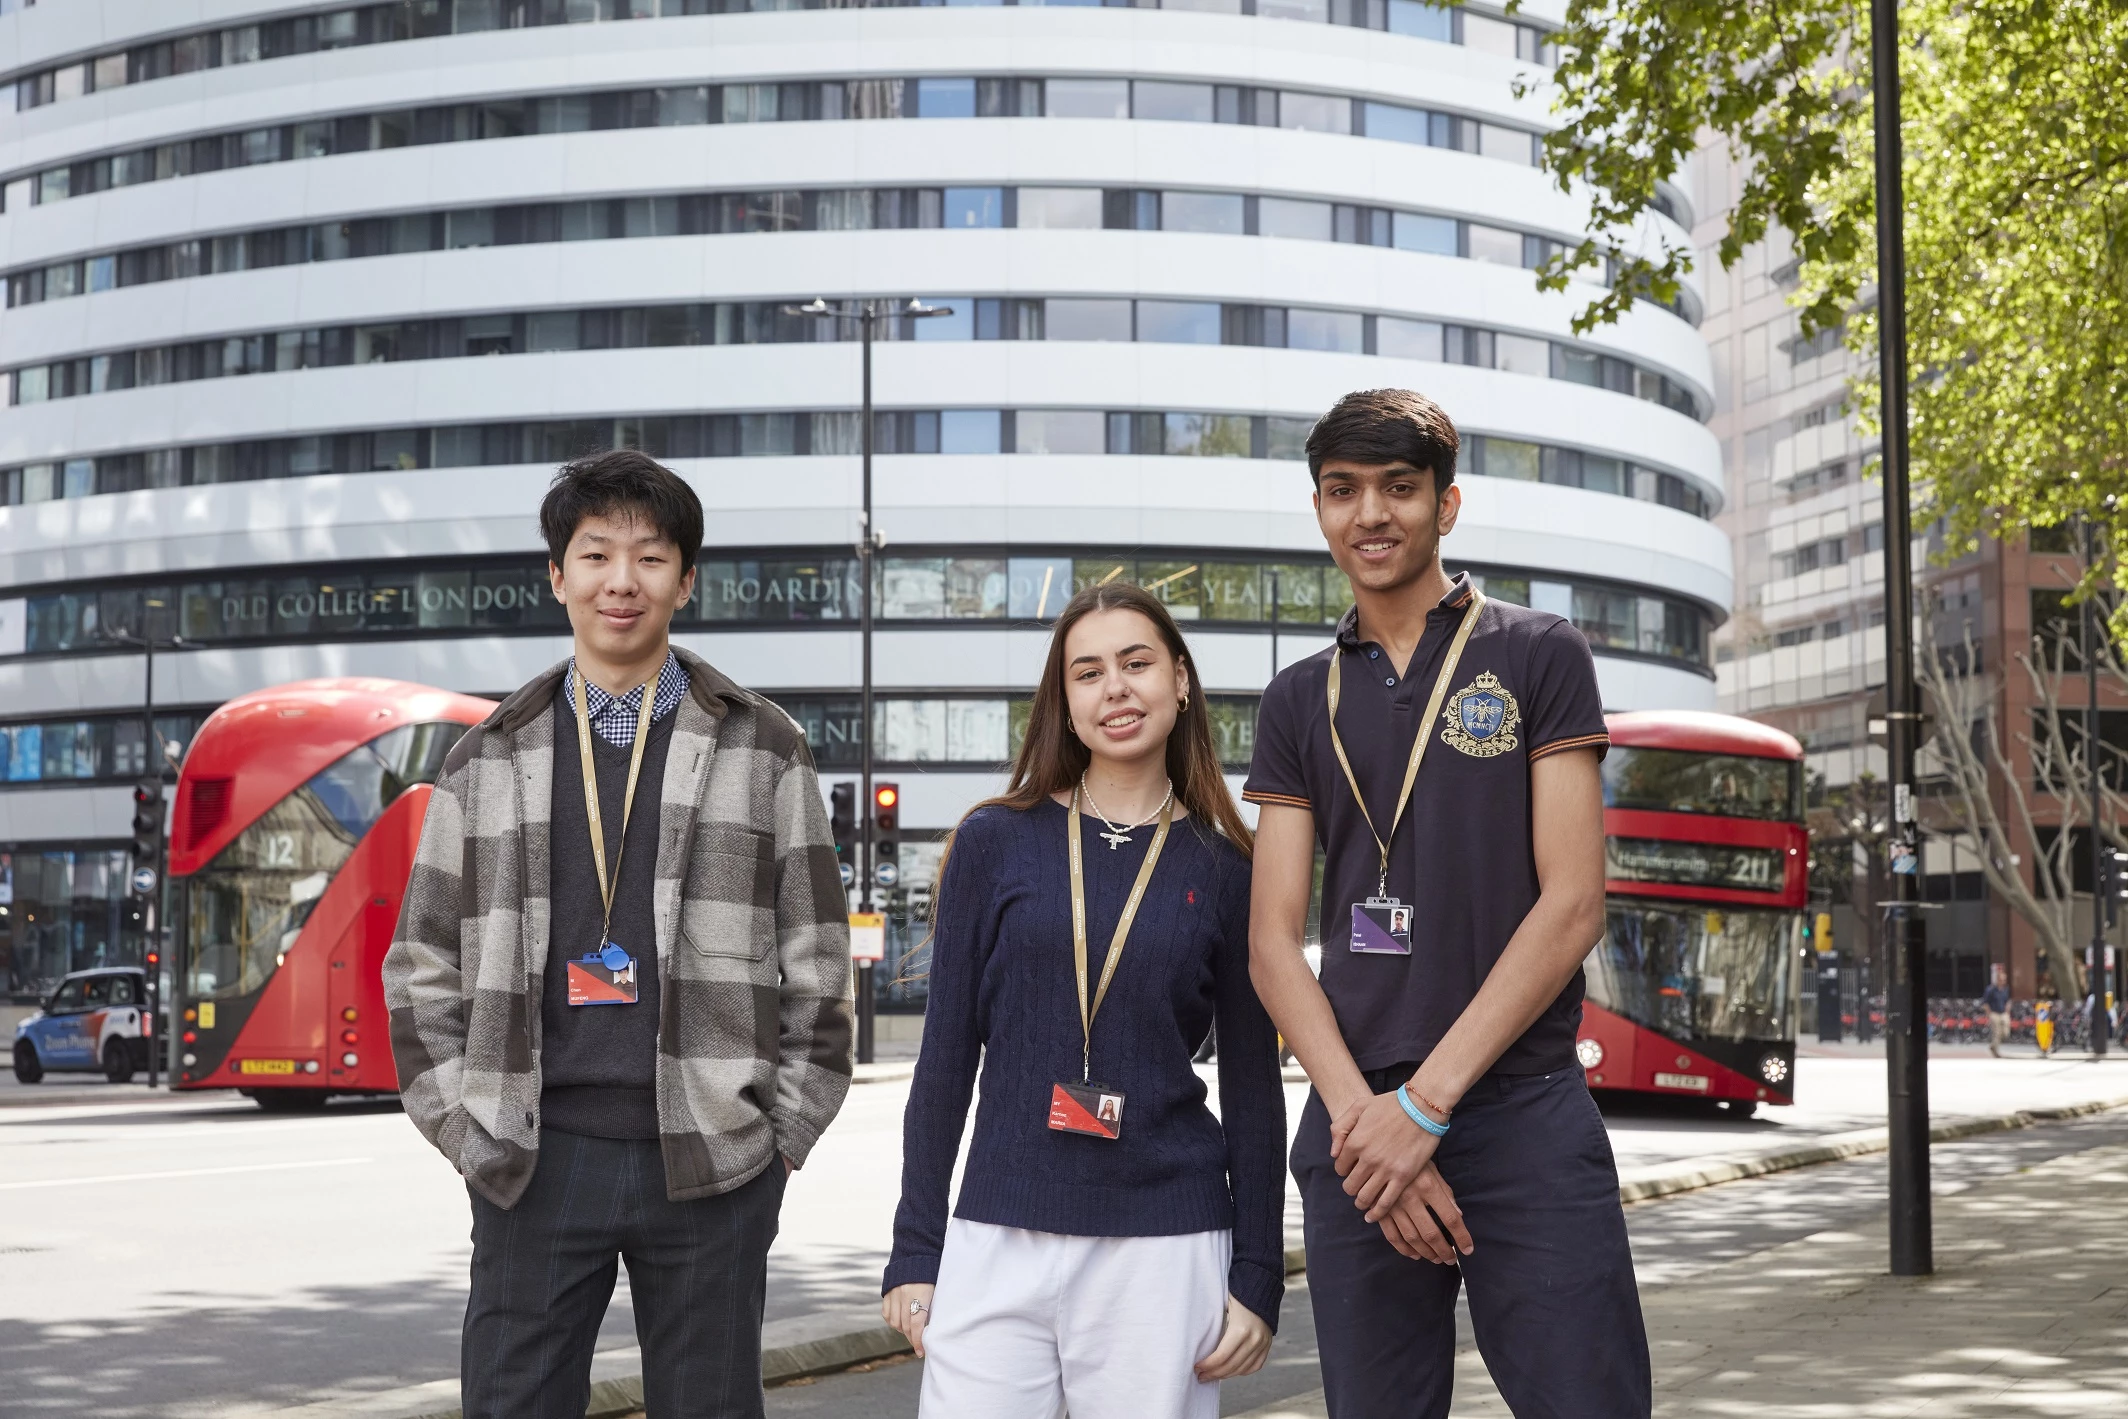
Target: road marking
182	1173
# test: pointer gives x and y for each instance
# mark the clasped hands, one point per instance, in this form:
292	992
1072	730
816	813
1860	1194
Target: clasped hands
1387	1163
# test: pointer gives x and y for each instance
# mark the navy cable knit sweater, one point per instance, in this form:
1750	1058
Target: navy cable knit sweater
1002	996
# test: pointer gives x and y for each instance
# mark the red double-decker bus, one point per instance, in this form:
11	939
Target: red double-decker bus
292	838
1693	991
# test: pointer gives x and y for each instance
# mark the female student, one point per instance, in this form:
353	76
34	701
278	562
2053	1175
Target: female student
1116	1251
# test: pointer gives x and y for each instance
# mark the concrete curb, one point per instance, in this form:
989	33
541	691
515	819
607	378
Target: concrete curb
1692	1174
827	1341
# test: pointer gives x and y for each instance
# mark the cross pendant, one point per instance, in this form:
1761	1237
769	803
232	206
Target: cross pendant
1116	840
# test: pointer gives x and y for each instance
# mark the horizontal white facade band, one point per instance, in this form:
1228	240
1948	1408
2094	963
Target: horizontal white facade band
961	374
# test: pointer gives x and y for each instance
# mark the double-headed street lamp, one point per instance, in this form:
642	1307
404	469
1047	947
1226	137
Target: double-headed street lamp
868	316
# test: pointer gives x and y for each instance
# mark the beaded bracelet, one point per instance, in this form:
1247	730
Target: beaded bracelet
1417	1116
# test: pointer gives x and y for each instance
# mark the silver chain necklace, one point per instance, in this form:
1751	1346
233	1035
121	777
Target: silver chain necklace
1117	836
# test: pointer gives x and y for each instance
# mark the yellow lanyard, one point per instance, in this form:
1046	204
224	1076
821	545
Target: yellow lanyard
1123	925
1418	744
591	799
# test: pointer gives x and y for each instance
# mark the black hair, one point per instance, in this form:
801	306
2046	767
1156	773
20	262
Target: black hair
624	482
1383	426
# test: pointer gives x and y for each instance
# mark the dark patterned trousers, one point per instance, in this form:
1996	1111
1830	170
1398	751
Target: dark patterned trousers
543	1273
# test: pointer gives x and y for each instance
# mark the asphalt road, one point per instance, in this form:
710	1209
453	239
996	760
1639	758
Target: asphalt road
197	1257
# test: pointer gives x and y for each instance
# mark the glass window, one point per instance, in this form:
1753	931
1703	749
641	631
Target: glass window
1038	587
1523	354
1492	36
1422	21
1512	458
1495	246
1287	438
1218	212
1179	322
975	588
978	731
1397	123
1697	972
1058	431
1086	98
1091	319
968	431
1403	339
975	207
1233	591
1316	113
912	588
945	98
1208	435
1177	585
1578	366
959	325
1512	145
1100	571
1415	232
1291	217
1315	11
1334	330
1060	208
1187	103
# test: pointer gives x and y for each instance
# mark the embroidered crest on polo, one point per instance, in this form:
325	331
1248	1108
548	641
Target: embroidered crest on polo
1482	718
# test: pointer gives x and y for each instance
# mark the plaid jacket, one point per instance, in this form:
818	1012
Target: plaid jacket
752	943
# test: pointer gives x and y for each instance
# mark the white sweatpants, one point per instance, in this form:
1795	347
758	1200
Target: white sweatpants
1032	1325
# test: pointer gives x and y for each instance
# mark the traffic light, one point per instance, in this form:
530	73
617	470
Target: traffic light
147	822
886	820
842	816
2115	888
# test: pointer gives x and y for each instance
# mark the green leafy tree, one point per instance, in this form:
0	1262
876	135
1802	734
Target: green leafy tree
2016	181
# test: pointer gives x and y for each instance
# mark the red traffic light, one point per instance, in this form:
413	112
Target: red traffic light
886	795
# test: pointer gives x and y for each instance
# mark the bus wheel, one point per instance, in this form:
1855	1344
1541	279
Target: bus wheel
27	1068
290	1101
117	1062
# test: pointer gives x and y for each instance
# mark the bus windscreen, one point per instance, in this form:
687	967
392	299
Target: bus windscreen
246	908
1698	973
1688	781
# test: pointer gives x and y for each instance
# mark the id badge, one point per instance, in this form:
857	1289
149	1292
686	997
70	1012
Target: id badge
603	978
1381	926
1092	1109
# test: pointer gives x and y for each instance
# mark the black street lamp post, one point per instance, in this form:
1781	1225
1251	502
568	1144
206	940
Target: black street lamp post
2095	967
868	315
1906	995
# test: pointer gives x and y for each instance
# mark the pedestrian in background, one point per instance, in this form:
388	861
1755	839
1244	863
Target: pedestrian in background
1996	999
1115	1250
620	987
1443	752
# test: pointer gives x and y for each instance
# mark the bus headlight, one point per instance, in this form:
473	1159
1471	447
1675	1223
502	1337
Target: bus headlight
1773	1069
310	1066
349	1059
1590	1053
189	1060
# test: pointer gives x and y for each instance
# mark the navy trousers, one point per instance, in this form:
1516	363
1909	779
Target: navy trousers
1550	1275
543	1273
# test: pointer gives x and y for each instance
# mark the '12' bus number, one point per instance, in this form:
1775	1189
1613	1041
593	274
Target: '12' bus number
280	850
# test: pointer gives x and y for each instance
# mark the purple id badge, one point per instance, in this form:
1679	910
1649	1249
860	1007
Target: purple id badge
1381	926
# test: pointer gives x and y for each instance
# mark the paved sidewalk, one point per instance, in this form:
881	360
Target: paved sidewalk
2026	1315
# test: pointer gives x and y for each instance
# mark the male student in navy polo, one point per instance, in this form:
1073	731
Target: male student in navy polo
1444	753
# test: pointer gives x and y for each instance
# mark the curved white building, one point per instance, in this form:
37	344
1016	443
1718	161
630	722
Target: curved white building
304	303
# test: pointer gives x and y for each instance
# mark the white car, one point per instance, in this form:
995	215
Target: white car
96	1021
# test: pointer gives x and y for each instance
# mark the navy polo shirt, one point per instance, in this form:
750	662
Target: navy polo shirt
1525	688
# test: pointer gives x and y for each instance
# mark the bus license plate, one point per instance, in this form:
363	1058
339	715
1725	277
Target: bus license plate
1697	1083
279	1066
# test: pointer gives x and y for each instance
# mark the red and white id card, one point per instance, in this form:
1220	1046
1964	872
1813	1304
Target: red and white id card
605	977
1092	1109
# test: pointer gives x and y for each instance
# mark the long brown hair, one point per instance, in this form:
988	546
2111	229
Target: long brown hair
1051	758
